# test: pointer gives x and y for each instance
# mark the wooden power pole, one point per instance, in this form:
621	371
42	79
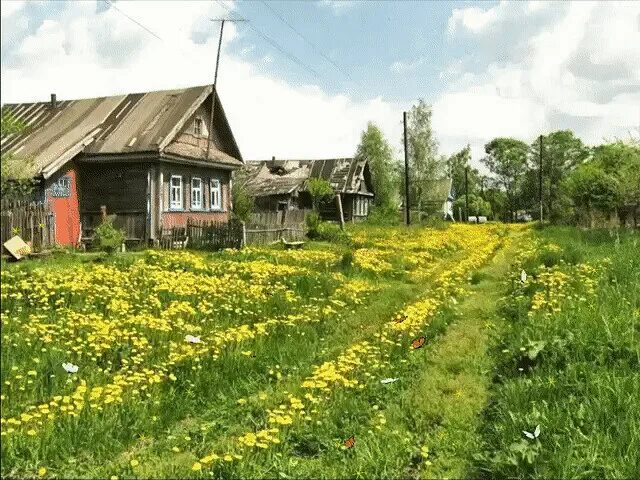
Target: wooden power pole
407	214
215	76
540	179
466	193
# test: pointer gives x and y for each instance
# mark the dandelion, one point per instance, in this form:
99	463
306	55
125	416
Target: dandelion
134	462
42	472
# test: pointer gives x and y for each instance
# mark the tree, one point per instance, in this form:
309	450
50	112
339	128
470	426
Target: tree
13	182
477	206
592	188
375	148
425	163
562	151
507	160
320	190
243	203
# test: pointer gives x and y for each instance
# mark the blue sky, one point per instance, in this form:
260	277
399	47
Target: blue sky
487	68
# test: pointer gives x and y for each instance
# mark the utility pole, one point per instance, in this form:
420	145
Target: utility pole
466	193
406	173
215	76
540	179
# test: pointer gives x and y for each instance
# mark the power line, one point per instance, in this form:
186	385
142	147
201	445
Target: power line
309	42
109	2
275	45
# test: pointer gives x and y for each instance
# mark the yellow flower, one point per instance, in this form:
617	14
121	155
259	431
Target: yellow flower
228	458
42	472
134	462
31	433
196	467
176	449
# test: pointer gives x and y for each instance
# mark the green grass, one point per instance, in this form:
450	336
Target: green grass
580	377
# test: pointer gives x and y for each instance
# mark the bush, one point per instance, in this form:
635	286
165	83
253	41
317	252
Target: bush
312	221
107	238
330	232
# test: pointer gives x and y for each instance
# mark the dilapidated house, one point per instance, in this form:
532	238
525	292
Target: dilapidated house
146	157
282	185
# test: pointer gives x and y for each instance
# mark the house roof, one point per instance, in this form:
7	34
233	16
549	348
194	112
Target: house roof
439	191
273	177
133	123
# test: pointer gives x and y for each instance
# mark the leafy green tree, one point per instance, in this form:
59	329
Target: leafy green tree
12	178
593	189
425	163
375	148
456	165
507	159
562	151
477	206
320	191
243	203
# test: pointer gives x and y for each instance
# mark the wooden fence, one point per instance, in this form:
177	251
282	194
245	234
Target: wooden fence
268	227
202	235
32	221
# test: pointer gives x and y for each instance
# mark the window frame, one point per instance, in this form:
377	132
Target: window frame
200	191
197	126
216	206
179	188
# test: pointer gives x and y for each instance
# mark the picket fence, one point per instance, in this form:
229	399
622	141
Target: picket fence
32	221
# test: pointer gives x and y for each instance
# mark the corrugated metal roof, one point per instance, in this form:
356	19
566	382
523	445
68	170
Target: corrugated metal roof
270	177
141	122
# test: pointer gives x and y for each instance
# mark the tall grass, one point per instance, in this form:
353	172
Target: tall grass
574	372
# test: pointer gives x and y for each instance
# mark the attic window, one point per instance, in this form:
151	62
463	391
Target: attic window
197	126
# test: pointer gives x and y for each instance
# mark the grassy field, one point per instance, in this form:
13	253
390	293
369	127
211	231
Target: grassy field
265	363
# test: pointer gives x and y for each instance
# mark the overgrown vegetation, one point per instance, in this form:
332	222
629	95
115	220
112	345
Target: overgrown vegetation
568	362
14	182
108	238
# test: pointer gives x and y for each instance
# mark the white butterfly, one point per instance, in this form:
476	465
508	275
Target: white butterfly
534	435
70	367
192	339
523	276
384	381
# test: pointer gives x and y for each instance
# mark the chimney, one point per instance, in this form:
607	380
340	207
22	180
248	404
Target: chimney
54	102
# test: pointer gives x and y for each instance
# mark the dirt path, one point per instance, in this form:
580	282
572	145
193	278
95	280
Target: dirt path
453	390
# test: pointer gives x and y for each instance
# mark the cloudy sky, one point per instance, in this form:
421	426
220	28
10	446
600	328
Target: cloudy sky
301	79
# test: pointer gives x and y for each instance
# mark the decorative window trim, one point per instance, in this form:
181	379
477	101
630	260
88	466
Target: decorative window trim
215	195
198	123
176	203
196	193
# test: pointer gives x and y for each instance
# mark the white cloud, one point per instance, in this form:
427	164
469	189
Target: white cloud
82	53
405	67
577	66
338	7
9	7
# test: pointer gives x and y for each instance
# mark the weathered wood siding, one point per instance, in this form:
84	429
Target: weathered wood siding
122	188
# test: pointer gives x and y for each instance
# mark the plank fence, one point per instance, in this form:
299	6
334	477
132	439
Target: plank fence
32	221
202	235
268	227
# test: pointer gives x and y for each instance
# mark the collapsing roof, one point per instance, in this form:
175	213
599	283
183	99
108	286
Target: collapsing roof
279	177
134	123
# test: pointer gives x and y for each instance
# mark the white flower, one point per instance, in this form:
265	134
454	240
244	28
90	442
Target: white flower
384	381
70	367
192	339
523	276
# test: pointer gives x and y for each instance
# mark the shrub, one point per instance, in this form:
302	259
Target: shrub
330	232
312	221
107	238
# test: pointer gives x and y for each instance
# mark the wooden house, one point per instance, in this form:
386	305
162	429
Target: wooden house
146	157
282	185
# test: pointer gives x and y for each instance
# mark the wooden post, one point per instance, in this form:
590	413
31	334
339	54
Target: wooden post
339	200
244	234
103	212
406	172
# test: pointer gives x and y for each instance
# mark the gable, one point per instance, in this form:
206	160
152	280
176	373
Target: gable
123	124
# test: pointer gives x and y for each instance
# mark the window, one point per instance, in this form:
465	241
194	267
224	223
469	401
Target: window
216	195
196	193
175	199
197	126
